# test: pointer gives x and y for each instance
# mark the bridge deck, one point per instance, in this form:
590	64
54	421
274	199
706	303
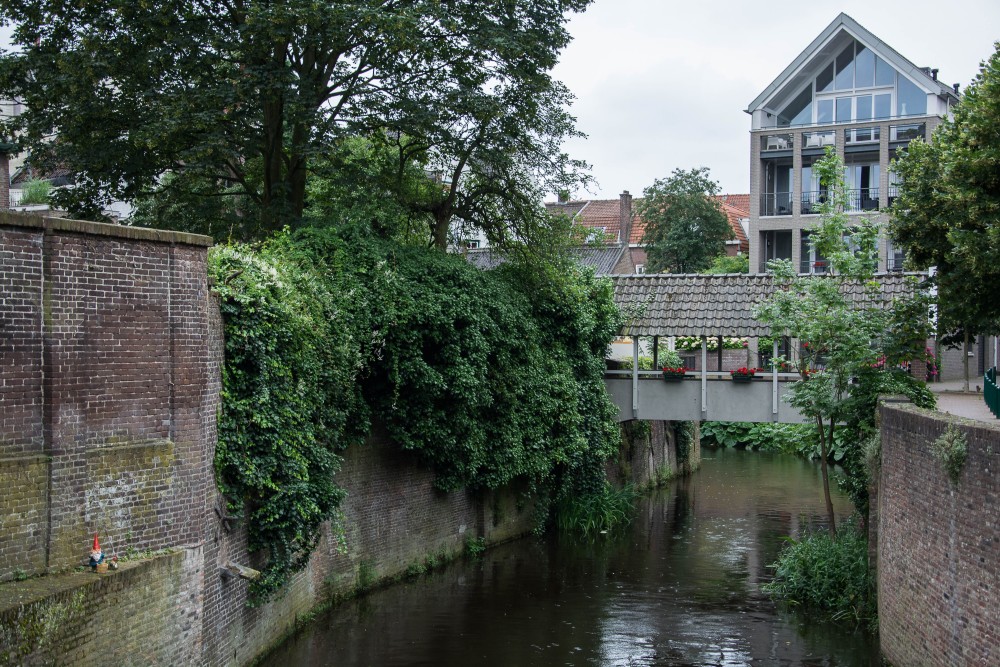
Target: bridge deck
702	396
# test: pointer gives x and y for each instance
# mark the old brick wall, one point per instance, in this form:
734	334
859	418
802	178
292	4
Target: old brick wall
392	519
146	613
937	543
106	404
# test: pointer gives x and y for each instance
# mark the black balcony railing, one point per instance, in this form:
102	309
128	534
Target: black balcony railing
893	192
811	201
907	132
813	266
862	199
894	262
776	203
763	263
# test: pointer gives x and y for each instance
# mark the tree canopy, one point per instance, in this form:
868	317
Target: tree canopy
239	100
685	226
948	211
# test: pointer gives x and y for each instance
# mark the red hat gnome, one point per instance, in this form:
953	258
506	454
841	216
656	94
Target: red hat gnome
96	555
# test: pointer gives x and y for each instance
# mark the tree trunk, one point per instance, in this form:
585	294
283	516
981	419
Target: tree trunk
830	516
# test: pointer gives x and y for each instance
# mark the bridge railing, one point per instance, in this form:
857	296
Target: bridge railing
991	393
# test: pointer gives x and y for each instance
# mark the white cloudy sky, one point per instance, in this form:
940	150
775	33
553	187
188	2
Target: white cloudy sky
663	84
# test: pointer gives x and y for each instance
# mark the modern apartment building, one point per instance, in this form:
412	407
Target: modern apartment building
850	90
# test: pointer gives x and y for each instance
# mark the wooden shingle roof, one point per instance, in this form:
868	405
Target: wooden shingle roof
710	305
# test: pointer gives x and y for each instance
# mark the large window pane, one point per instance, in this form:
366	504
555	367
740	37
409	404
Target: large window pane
824	111
799	111
824	80
844	109
910	100
864	110
883	106
885	75
844	72
864	64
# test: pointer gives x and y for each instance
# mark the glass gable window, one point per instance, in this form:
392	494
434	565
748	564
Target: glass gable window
880	91
910	100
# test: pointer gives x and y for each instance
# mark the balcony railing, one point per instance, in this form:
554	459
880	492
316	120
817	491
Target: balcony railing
15	197
894	262
776	203
763	263
819	139
813	266
811	200
907	132
776	142
893	193
863	199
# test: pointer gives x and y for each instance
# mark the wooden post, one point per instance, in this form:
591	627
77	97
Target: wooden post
719	367
656	353
774	379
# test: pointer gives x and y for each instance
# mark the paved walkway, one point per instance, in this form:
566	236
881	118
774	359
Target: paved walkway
969	404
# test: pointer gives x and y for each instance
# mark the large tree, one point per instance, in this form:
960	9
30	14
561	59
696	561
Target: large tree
685	226
243	96
948	211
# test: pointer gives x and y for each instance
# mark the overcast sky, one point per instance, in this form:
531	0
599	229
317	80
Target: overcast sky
661	85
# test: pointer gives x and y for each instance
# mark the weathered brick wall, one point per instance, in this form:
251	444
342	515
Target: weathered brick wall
146	613
104	390
393	519
937	543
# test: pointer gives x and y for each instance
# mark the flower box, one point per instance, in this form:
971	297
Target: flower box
743	375
673	374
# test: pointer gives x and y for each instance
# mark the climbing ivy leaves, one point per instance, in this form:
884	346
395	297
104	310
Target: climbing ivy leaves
490	377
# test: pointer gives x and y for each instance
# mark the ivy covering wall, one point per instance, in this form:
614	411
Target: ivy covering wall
490	376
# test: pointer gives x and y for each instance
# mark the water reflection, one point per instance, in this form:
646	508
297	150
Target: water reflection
682	587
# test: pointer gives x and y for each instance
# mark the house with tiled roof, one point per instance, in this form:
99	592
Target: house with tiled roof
850	90
616	221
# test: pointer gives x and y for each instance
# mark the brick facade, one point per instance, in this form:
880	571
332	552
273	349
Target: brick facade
937	543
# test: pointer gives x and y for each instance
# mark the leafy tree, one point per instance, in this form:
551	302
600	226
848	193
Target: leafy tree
243	98
729	264
685	227
948	211
850	337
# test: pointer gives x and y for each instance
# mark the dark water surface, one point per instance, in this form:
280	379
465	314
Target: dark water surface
681	587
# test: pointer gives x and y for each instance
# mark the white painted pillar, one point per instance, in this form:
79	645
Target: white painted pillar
635	377
774	379
704	373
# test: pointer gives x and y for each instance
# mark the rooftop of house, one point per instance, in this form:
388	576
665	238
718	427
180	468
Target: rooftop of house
606	214
602	257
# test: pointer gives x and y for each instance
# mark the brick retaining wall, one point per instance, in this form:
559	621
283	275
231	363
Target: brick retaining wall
938	565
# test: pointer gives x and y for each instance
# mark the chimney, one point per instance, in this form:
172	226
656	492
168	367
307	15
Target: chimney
625	217
934	74
955	86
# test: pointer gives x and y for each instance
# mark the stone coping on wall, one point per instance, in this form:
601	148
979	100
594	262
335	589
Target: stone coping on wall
14	594
50	225
904	404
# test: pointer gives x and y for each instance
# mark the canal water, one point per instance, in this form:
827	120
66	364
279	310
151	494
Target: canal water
680	587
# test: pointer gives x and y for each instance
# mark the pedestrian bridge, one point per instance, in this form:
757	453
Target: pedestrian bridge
702	396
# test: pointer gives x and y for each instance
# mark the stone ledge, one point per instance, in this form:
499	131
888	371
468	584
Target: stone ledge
50	225
16	594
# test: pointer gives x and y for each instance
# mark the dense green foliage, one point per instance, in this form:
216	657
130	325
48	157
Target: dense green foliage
489	377
948	211
827	575
951	449
241	102
763	436
685	226
596	513
729	264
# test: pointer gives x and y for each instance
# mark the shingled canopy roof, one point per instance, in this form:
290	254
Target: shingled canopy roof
711	305
603	258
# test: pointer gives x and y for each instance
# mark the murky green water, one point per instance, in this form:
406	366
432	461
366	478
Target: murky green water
682	587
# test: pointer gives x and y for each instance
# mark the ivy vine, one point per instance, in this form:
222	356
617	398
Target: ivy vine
489	377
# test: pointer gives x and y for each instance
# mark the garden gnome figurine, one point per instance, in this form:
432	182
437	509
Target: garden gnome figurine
96	555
